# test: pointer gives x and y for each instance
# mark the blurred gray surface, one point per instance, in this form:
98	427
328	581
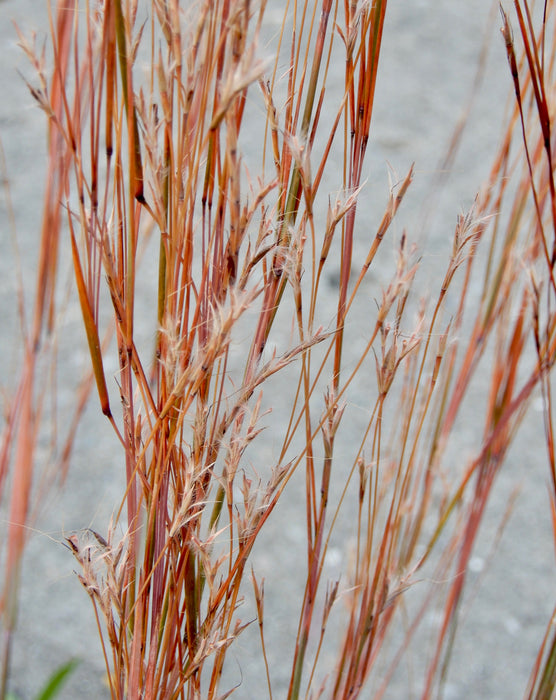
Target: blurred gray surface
430	52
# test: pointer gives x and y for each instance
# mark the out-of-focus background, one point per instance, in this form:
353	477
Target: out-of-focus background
429	61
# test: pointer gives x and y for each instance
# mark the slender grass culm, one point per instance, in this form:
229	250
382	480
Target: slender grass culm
264	272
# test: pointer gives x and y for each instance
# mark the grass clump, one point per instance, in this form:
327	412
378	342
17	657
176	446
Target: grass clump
149	126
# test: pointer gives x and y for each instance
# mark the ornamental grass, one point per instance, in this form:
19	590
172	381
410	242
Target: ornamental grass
295	355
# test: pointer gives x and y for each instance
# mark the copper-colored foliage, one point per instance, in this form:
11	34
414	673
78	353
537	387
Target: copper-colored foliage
147	126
